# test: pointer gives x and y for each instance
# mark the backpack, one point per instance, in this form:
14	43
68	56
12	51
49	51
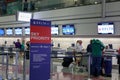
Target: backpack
67	61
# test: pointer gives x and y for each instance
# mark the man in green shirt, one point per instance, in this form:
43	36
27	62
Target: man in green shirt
97	48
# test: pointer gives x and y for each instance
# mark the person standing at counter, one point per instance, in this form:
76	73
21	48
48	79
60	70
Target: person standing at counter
89	47
107	64
89	51
28	48
18	44
97	48
22	47
118	60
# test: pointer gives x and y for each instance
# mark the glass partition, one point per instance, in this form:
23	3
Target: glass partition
10	8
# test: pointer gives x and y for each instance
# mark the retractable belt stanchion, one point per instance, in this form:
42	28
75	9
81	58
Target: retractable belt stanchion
8	51
24	65
89	63
7	66
16	62
2	50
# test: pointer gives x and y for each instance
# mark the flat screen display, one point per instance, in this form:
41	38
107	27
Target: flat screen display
106	28
68	29
18	31
9	31
2	32
24	16
54	30
27	30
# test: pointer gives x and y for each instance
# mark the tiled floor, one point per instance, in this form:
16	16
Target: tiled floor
57	72
69	74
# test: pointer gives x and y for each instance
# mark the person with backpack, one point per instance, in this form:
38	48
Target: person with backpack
67	61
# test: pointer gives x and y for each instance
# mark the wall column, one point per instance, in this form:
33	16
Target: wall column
103	8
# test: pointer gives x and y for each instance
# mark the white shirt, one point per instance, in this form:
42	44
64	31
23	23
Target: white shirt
78	47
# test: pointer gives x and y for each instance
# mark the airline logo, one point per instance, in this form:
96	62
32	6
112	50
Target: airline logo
40	32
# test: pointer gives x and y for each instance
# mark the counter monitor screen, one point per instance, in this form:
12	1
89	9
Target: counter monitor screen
106	28
2	32
68	29
54	30
27	31
18	31
9	31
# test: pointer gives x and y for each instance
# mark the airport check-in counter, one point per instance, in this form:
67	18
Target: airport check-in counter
87	57
111	53
56	51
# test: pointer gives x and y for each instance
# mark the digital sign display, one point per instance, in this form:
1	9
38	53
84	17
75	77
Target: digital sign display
106	28
24	16
9	31
54	30
27	30
2	32
18	31
68	29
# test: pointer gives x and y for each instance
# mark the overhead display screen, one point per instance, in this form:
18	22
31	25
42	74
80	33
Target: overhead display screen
27	30
106	28
9	31
68	29
54	30
2	32
24	16
18	31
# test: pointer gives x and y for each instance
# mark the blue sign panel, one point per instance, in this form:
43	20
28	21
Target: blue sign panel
40	49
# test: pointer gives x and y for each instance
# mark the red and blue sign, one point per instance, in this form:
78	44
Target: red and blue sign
40	49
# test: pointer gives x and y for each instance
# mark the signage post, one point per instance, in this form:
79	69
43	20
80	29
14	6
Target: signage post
40	49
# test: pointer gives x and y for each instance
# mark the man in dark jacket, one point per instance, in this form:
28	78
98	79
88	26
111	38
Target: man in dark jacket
119	59
89	47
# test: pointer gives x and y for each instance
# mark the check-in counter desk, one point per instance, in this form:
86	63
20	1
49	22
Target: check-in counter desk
86	57
56	51
108	53
111	53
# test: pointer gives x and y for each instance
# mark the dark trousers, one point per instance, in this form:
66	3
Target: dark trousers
108	67
119	68
96	66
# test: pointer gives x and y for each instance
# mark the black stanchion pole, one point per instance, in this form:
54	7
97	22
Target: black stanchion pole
89	63
7	63
24	66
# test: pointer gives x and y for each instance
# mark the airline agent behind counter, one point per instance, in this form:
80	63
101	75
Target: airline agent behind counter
79	46
78	50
